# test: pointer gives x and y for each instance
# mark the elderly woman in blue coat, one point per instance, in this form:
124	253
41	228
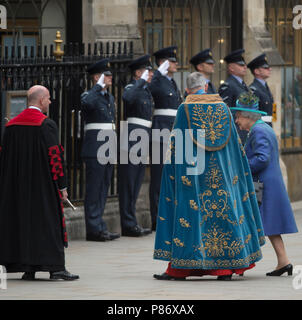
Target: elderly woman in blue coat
263	155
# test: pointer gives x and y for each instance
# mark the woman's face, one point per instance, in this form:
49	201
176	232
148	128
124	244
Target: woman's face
243	123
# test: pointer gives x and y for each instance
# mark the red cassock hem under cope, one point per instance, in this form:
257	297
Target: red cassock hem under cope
182	273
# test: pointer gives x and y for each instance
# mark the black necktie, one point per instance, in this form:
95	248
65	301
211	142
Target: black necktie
174	84
210	87
245	86
268	90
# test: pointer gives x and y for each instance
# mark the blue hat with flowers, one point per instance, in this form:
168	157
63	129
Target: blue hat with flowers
248	102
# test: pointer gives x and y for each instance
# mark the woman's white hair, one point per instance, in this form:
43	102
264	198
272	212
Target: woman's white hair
250	115
196	80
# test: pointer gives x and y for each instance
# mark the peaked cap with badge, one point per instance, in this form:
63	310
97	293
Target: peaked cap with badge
203	56
102	66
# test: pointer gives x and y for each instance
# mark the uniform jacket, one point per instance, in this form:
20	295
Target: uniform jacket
95	108
166	96
266	99
138	101
230	91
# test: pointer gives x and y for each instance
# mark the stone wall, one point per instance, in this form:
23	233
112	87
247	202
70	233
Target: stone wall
111	20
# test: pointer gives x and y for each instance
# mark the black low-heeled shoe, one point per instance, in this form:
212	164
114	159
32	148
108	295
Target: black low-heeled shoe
30	276
165	276
225	278
279	272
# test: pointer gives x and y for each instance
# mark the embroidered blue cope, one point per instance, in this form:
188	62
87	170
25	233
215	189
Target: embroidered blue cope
211	220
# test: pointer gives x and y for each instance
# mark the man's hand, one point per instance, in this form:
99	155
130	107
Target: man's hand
101	81
64	194
145	75
163	68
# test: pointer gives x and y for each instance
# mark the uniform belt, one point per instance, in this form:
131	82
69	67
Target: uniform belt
142	122
165	112
267	118
99	126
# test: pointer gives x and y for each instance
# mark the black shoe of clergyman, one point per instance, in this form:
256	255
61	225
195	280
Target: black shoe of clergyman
63	275
136	231
225	278
102	236
165	276
28	276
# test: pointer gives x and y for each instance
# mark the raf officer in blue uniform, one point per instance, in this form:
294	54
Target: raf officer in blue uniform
204	63
138	104
98	112
261	72
234	85
167	98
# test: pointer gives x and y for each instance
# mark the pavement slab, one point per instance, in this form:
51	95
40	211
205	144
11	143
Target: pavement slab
122	270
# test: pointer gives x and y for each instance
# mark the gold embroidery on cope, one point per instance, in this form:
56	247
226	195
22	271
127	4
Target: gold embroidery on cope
211	205
218	243
178	243
184	223
193	205
241	219
245	197
186	181
212	120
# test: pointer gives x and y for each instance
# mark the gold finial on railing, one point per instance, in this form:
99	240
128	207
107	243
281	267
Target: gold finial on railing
58	53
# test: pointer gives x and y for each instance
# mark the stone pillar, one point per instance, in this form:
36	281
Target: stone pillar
257	40
112	20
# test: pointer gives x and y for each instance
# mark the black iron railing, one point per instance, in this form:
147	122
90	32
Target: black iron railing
66	81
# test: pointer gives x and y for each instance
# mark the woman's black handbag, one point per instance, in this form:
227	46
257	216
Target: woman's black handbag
259	191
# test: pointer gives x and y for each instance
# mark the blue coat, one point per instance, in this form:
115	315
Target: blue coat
95	108
209	220
263	156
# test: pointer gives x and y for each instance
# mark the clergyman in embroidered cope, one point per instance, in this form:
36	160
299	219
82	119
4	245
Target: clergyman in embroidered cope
209	221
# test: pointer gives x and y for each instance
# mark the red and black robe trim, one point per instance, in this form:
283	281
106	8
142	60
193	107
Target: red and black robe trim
55	162
55	154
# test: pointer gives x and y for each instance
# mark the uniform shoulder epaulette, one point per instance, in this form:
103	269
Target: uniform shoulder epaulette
129	86
84	94
224	86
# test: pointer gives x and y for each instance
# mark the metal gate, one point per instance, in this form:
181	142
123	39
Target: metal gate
66	81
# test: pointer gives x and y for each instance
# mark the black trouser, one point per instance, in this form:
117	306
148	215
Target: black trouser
130	181
154	190
159	122
98	178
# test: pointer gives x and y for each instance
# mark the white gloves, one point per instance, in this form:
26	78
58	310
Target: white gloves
101	81
145	75
163	68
